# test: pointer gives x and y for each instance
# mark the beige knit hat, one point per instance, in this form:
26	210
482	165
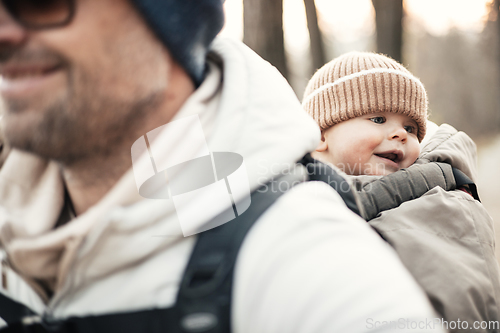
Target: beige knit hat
359	83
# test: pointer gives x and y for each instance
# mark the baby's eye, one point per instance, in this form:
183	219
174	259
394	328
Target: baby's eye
378	120
410	129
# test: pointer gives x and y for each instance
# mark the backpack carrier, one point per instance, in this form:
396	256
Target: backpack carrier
203	303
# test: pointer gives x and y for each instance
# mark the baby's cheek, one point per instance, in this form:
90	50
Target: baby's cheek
413	151
371	140
407	163
363	149
354	156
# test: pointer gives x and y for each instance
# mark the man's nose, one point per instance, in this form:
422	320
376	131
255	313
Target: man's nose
11	32
398	133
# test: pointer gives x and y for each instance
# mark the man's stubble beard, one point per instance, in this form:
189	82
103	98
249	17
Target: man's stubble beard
83	123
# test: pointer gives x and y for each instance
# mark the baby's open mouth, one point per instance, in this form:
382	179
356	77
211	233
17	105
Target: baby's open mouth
390	156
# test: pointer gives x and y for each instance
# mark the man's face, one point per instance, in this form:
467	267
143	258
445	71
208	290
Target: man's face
373	144
78	90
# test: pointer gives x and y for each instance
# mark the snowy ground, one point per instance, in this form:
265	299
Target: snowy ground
489	182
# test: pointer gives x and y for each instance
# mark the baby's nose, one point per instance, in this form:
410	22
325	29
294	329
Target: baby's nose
399	133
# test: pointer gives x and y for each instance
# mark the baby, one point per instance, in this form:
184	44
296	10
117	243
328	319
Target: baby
372	113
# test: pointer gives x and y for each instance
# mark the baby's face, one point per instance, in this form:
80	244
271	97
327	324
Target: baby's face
373	144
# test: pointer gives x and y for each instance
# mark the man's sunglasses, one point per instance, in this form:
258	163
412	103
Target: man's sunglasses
41	14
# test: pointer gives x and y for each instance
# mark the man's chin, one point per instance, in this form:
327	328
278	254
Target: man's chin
24	130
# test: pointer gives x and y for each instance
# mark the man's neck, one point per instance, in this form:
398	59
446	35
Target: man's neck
90	179
87	182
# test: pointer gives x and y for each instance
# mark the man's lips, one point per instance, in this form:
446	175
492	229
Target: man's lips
23	79
16	72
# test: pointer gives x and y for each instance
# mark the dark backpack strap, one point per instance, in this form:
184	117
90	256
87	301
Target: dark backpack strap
204	298
463	181
12	311
319	171
147	321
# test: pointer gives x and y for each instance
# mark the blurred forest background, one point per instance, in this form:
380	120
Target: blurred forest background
453	46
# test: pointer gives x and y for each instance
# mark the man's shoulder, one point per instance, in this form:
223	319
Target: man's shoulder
307	204
308	211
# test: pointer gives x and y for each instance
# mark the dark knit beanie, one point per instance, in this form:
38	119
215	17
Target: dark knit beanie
186	27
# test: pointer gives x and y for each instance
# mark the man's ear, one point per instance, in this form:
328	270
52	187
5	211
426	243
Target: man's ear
323	145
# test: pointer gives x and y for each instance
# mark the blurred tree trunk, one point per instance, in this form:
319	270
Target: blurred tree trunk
496	8
263	31
317	49
388	19
494	18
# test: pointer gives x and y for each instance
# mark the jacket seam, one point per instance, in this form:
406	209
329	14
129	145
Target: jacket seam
440	234
466	199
